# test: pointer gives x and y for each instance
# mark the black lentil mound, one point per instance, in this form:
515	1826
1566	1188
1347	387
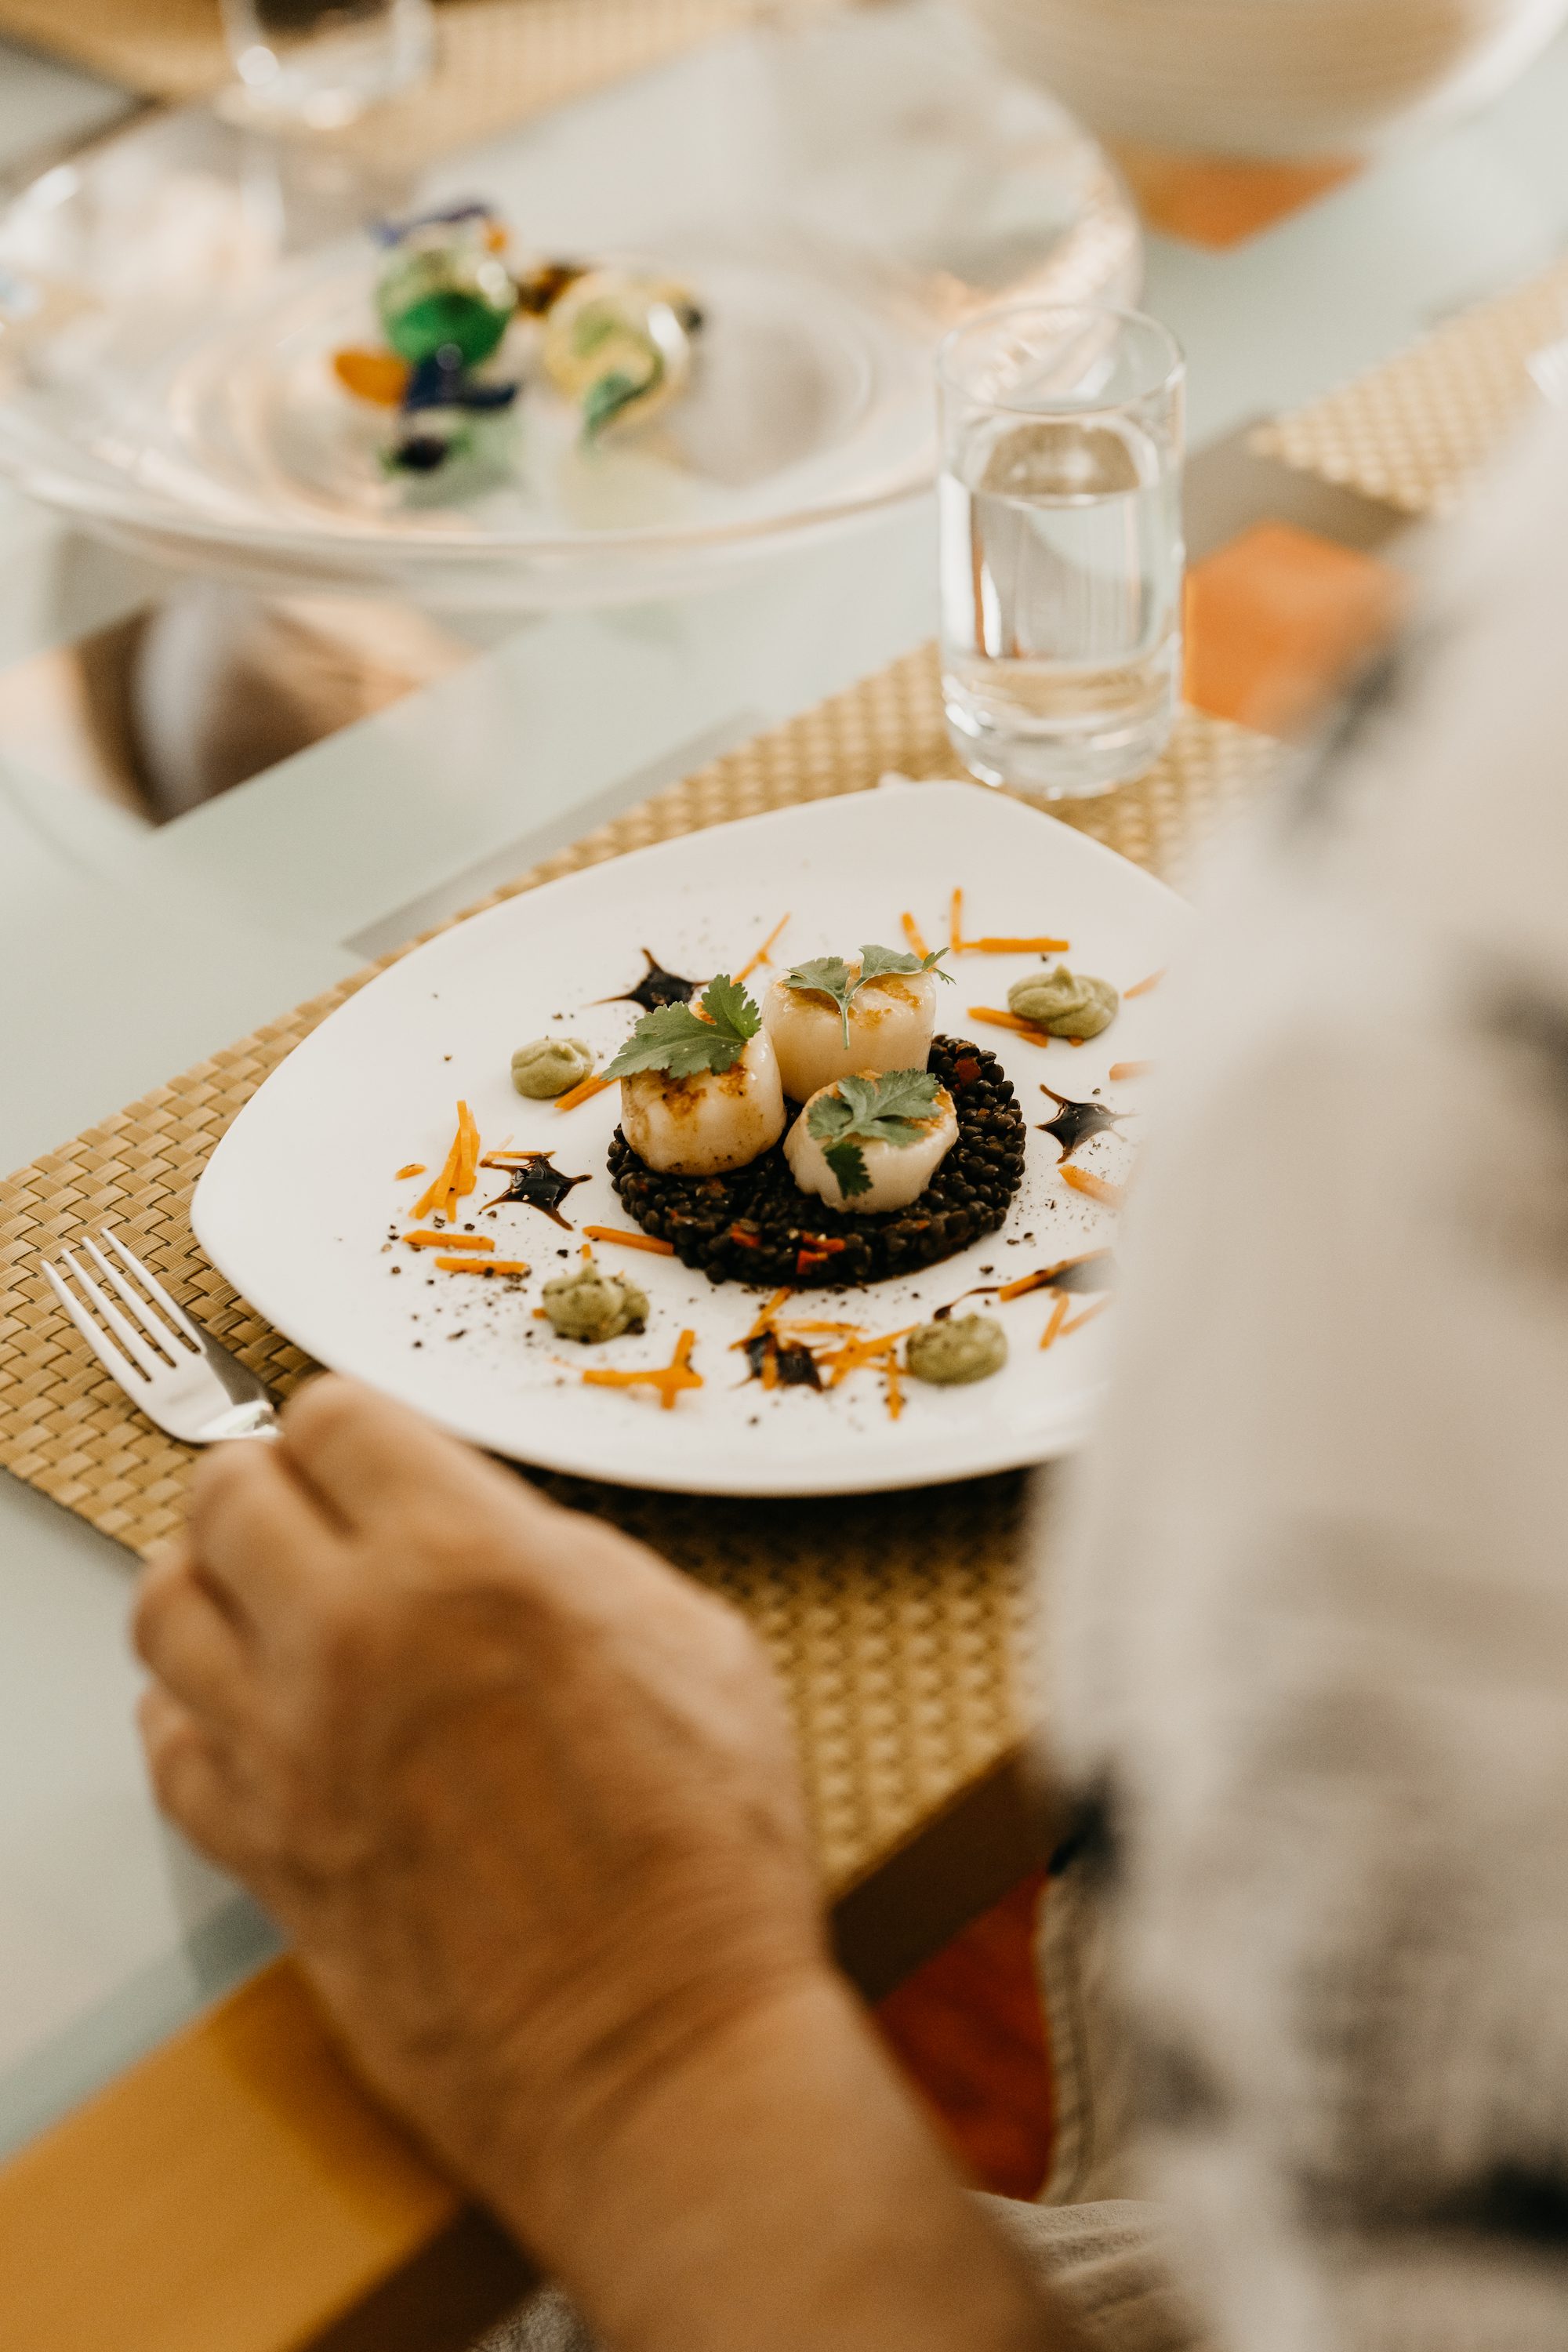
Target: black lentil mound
755	1225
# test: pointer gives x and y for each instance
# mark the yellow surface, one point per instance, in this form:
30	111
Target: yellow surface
307	2195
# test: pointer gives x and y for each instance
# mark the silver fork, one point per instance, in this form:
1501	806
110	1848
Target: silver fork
180	1379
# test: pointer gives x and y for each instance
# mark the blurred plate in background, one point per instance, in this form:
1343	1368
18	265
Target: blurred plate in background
835	190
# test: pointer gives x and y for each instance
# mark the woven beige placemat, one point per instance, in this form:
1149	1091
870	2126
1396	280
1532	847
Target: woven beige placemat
1418	430
892	1619
498	61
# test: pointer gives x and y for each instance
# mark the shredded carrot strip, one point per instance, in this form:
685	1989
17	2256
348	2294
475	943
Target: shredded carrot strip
1047	1275
996	946
482	1265
1059	1316
761	955
996	1019
857	1352
955	923
1087	1316
437	1193
771	1367
1083	1180
895	1393
629	1240
583	1091
855	1328
458	1169
764	1321
1141	987
668	1379
415	1168
449	1240
913	933
468	1157
1119	1070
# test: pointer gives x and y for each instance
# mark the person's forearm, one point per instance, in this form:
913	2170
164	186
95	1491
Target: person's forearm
780	2192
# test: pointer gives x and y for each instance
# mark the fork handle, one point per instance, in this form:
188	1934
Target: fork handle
256	1418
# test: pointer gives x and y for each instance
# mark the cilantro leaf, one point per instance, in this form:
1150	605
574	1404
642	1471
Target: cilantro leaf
831	976
873	1110
674	1038
730	1009
875	961
847	1163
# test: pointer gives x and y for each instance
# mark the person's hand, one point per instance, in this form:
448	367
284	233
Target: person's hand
523	1797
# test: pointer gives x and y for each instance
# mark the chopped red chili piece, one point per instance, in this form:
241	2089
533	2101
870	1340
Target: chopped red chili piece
966	1070
747	1241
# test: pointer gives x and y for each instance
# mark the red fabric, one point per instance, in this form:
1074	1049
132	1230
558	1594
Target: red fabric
969	2030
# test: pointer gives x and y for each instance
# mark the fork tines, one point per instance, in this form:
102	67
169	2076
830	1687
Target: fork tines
155	1336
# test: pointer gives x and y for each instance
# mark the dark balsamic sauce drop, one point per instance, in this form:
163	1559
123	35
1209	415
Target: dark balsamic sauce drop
1075	1121
656	987
537	1185
797	1366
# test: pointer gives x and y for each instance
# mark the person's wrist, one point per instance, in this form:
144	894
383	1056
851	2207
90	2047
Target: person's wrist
589	2122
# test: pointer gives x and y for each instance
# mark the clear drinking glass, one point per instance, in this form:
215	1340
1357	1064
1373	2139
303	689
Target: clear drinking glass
1061	544
322	62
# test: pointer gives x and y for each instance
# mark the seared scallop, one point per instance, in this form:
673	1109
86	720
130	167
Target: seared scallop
898	1173
891	1022
708	1123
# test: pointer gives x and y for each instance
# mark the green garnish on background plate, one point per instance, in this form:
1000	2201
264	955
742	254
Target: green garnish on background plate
673	1038
831	976
870	1110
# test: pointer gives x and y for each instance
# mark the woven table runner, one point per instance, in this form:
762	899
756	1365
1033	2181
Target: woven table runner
1418	430
498	61
892	1619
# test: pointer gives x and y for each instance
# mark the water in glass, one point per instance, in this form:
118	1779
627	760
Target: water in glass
1061	580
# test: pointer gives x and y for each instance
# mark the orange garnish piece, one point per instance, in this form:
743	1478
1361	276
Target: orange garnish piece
764	1321
415	1168
449	1240
1119	1070
1141	987
1083	1180
856	1353
1047	1275
955	923
668	1379
459	1170
761	955
379	377
1000	1020
913	933
770	1366
895	1394
1087	1316
483	1265
629	1240
1059	1316
993	945
583	1091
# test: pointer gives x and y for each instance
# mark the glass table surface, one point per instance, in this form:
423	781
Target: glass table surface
126	953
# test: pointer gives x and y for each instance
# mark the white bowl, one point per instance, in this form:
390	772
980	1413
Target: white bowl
1266	78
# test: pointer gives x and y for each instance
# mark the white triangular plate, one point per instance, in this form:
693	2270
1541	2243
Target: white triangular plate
299	1206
